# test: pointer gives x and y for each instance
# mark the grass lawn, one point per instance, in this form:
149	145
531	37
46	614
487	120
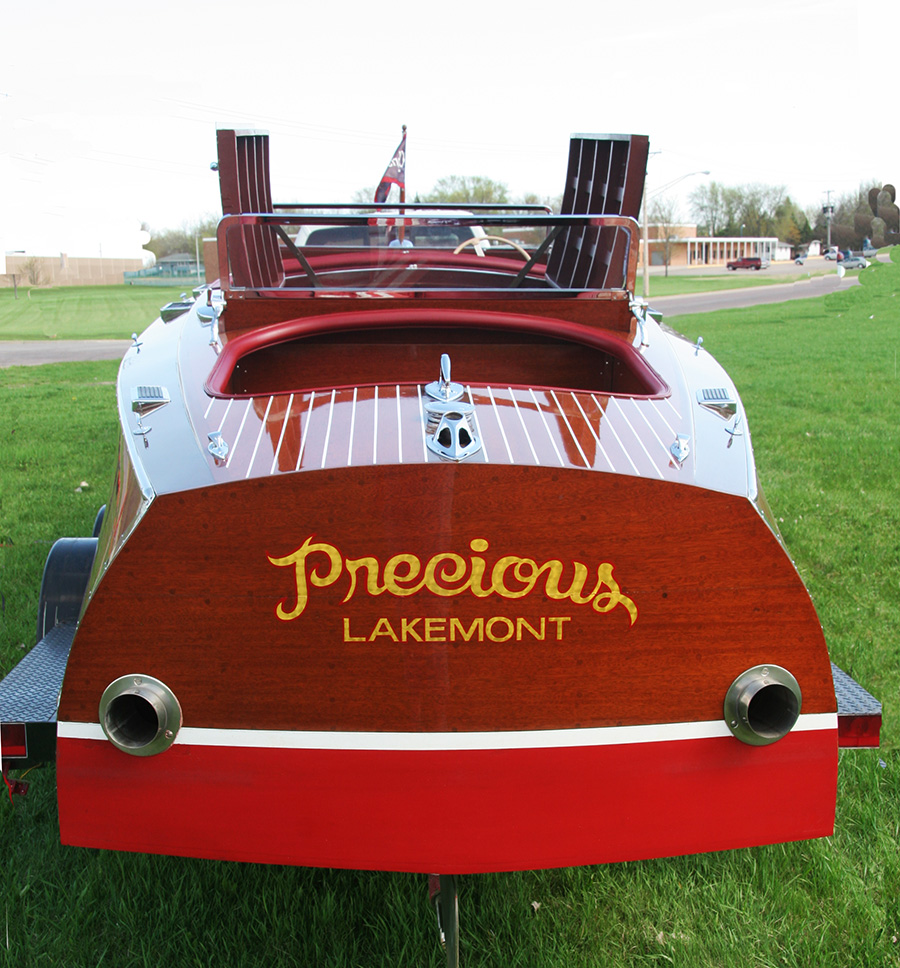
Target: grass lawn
820	379
81	312
115	312
682	284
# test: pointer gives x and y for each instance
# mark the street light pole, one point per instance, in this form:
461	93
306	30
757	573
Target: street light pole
645	228
646	253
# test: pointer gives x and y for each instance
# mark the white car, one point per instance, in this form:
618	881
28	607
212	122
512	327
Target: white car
422	229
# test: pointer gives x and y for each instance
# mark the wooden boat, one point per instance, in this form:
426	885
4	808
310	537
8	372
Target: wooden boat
429	549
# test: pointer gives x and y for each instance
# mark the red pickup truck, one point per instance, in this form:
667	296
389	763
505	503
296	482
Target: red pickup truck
749	262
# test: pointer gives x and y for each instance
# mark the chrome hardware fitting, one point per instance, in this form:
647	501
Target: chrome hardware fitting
450	432
719	401
698	346
135	342
212	308
454	437
681	448
218	447
146	399
443	389
175	309
209	312
641	311
733	431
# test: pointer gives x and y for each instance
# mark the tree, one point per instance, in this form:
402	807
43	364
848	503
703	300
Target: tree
364	196
708	207
553	203
170	241
792	224
663	213
735	210
468	189
33	269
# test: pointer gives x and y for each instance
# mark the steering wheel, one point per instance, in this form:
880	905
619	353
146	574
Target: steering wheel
496	238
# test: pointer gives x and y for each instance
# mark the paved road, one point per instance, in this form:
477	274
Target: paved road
707	302
38	351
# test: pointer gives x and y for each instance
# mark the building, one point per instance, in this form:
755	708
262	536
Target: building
22	269
686	248
180	267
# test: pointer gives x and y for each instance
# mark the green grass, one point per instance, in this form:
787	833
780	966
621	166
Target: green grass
81	312
820	379
115	312
58	428
820	382
682	284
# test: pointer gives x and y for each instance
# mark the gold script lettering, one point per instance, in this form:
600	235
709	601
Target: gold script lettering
298	560
447	574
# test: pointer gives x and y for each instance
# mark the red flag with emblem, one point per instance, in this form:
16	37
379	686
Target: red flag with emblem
395	173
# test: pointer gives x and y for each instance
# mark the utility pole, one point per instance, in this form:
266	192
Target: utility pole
828	212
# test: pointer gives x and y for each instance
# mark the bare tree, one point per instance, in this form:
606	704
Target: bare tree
663	214
364	196
33	269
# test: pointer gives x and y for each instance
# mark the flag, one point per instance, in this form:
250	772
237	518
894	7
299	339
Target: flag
395	173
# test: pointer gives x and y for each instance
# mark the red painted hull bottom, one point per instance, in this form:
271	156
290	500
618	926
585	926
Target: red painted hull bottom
449	811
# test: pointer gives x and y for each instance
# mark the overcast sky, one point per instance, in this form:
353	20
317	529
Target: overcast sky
108	110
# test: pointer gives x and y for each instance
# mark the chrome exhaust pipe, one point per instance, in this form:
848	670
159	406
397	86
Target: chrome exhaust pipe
140	715
762	705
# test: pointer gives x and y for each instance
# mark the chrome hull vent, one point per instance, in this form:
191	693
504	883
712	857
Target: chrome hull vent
719	400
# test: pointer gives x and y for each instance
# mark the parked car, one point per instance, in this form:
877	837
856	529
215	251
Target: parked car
749	262
800	260
854	262
833	254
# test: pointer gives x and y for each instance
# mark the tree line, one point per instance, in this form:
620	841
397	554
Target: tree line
183	239
870	213
467	190
453	189
755	209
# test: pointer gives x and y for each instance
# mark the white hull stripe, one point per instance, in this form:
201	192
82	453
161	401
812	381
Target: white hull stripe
432	742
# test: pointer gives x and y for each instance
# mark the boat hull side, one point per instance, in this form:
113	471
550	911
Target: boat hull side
442	598
457	810
452	668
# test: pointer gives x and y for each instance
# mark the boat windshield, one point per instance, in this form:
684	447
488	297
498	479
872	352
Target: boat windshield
338	249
